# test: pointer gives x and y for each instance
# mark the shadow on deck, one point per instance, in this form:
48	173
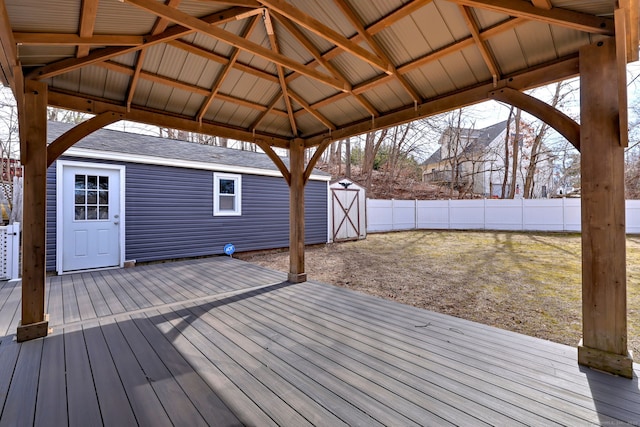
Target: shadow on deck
222	342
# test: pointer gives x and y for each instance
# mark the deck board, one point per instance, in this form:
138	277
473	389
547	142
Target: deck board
218	341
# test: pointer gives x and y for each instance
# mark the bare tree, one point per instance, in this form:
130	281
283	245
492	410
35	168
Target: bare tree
372	143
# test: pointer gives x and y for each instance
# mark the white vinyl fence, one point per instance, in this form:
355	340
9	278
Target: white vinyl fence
9	251
484	214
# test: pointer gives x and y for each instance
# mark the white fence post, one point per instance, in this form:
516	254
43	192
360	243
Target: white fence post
15	251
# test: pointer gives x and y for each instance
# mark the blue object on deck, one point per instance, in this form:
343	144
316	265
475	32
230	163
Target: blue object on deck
229	249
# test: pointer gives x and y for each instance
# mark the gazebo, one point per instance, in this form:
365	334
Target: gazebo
298	75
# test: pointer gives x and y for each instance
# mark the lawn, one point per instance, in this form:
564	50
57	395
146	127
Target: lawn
524	282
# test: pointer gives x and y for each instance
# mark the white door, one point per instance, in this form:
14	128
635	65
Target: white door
91	217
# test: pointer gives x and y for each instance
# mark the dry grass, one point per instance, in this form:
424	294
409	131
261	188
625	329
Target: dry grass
524	282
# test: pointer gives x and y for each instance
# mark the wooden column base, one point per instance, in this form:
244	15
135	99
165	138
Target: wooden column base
612	363
33	330
297	278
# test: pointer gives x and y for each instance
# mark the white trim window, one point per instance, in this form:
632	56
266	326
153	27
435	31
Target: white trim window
227	194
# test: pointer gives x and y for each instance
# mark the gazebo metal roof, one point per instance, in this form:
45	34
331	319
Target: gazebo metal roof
272	70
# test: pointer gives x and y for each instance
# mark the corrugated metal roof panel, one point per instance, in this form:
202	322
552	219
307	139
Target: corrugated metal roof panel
56	16
460	70
354	69
310	90
387	97
342	111
371	11
116	17
249	87
450	13
592	7
438	77
508	52
568	41
537	42
275	124
116	85
42	55
488	18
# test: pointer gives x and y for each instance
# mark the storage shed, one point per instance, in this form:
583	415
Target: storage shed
118	196
348	211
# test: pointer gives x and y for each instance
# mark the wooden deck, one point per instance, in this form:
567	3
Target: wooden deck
222	342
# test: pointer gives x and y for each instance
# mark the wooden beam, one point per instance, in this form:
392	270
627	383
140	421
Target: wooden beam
542	4
196	50
316	114
88	14
276	160
8	51
107	53
197	24
354	19
485	52
304	41
632	27
604	301
273	41
33	323
549	73
327	33
314	159
296	212
57	39
620	17
76	133
160	118
562	123
555	16
217	84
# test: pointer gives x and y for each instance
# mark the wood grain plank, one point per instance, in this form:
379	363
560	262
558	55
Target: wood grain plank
174	400
124	298
81	391
19	407
51	404
54	303
9	350
194	347
85	304
113	303
112	397
206	400
71	312
10	309
146	406
98	301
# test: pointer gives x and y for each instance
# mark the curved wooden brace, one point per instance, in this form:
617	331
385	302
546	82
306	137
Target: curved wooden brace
314	159
564	124
75	134
275	159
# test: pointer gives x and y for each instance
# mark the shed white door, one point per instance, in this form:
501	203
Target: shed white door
346	214
91	218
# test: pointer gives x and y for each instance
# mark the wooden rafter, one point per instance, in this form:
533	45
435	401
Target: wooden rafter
58	39
8	51
88	14
354	19
225	70
560	70
327	33
487	56
304	41
542	4
160	118
158	27
79	131
273	41
631	10
311	111
555	16
105	54
271	107
196	50
198	25
177	84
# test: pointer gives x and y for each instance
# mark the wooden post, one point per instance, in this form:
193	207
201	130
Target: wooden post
296	212
604	303
34	322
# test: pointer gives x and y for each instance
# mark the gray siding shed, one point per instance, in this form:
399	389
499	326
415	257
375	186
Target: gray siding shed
169	211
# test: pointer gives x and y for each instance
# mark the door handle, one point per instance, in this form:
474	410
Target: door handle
116	223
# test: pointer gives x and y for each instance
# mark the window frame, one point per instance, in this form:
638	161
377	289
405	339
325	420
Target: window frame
237	178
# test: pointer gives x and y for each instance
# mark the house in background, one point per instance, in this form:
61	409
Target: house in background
473	161
116	197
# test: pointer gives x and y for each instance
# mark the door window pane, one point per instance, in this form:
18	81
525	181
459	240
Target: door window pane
91	198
